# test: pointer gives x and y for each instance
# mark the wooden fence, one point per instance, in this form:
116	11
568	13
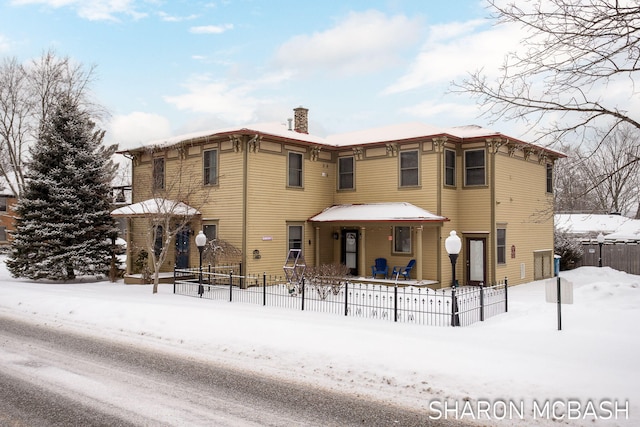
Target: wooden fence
619	256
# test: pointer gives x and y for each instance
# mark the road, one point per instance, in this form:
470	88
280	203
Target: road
51	377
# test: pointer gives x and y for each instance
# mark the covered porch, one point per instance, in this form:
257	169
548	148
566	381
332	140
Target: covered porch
150	224
398	232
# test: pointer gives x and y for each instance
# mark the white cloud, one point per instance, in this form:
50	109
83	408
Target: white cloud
360	43
5	44
211	29
232	102
133	129
170	18
453	50
93	10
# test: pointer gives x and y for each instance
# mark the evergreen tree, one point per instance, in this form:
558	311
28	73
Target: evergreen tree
63	220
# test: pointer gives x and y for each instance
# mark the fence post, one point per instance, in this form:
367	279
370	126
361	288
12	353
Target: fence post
482	301
174	278
230	285
303	294
395	303
264	288
209	275
506	295
455	317
346	298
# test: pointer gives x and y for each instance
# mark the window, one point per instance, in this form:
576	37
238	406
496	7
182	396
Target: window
501	245
409	168
549	178
210	167
295	237
295	170
474	167
3	234
3	204
158	174
211	231
159	238
345	173
450	168
402	240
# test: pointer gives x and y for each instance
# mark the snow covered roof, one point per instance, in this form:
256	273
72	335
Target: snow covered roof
397	132
613	227
156	206
394	211
273	129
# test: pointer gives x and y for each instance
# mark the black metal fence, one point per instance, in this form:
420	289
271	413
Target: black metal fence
461	306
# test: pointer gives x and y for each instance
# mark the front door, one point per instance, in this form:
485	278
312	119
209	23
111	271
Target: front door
476	260
182	247
350	250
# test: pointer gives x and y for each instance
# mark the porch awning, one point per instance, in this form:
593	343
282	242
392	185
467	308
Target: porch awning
154	207
377	212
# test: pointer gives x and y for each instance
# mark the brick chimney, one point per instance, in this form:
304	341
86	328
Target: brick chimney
301	119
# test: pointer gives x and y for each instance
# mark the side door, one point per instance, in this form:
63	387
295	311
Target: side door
476	260
349	252
182	247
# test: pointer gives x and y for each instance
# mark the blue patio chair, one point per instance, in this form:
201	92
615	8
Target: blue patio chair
380	267
403	271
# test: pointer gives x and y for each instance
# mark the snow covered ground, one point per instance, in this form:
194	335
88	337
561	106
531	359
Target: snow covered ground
513	369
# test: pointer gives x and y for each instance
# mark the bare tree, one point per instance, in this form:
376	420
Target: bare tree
175	202
571	186
613	170
167	218
28	95
15	113
573	53
605	179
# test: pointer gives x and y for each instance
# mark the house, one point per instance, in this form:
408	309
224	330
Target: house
394	192
7	223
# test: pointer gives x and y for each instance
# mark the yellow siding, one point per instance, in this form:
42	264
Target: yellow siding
252	205
527	210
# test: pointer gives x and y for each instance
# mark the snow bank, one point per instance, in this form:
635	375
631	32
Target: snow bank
519	357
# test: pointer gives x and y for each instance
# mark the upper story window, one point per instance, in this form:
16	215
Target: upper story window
449	168
549	178
158	174
402	240
346	171
295	169
474	167
3	204
210	167
409	168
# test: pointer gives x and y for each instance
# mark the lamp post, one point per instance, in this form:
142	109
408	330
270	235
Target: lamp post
600	243
453	244
201	240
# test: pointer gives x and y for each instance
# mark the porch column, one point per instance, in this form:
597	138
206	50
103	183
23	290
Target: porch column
129	239
317	246
361	262
419	253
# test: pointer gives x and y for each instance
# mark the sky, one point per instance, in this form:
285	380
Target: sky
165	68
517	357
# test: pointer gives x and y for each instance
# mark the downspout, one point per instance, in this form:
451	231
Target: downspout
245	198
494	146
438	144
